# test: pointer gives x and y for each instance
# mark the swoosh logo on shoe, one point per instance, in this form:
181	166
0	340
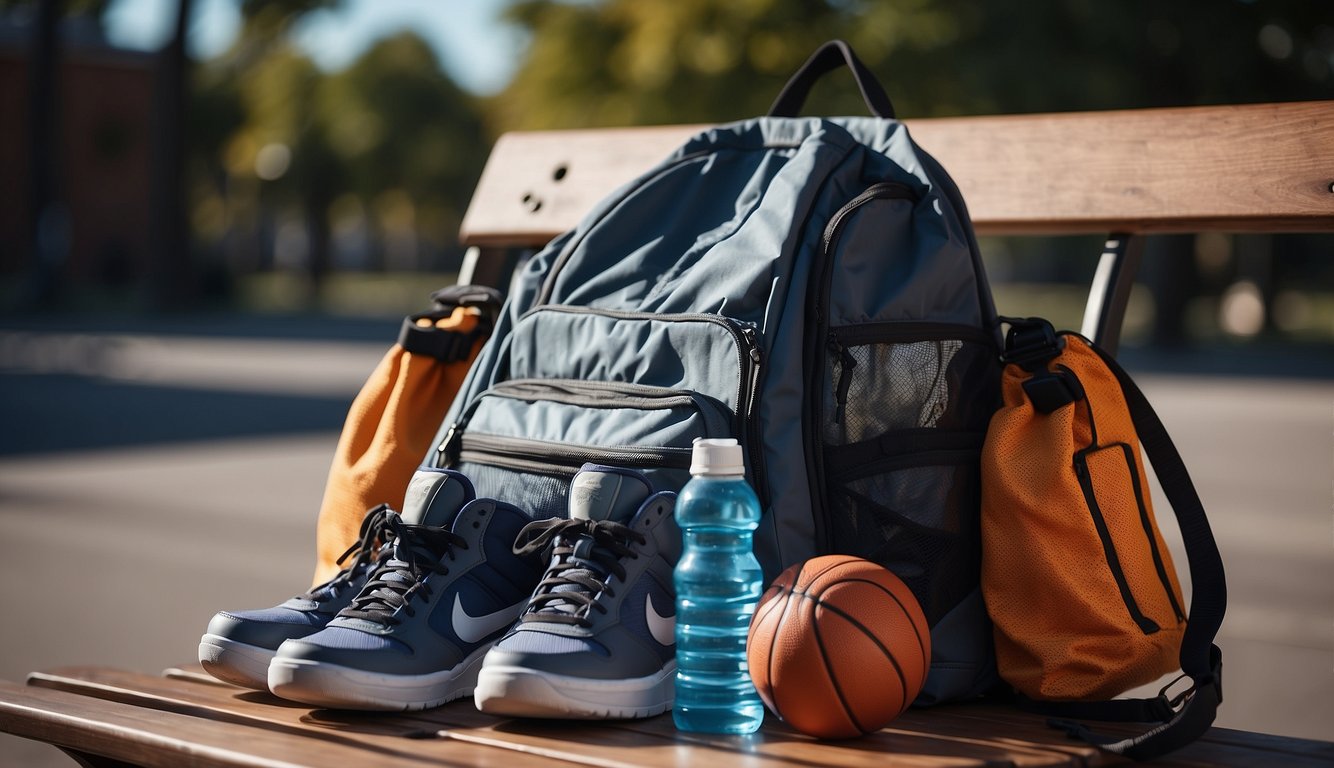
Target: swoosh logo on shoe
663	628
474	629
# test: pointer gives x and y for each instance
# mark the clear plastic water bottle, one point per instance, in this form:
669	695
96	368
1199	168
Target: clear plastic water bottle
718	584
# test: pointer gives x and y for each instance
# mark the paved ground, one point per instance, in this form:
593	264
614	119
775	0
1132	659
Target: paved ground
151	477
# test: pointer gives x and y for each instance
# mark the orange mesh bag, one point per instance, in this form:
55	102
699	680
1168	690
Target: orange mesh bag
395	416
1077	579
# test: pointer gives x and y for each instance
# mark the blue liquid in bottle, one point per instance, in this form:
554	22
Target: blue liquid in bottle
718	584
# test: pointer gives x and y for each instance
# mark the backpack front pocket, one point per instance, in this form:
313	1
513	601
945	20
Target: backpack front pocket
713	356
522	440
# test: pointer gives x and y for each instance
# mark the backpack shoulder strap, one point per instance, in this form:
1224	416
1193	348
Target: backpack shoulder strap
1185	716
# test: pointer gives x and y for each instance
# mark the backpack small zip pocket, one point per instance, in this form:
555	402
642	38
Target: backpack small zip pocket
523	428
714	356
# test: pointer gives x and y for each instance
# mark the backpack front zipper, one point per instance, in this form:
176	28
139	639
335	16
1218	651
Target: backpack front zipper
547	457
564	459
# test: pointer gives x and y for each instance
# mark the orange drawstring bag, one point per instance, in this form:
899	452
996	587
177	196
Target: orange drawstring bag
395	416
1078	582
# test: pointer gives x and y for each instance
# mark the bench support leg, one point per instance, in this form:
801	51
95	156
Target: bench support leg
89	760
1106	307
488	266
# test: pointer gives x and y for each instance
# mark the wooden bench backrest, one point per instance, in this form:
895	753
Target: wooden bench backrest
1261	167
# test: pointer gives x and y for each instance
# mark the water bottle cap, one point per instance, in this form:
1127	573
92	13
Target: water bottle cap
717	457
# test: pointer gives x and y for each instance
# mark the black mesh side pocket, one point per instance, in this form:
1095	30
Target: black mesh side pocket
912	509
890	376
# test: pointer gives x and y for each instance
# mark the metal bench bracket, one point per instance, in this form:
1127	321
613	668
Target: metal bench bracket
1106	307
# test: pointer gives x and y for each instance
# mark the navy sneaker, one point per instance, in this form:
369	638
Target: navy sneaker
238	645
415	636
598	637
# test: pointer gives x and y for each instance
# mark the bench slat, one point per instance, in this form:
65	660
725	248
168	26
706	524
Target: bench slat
151	737
458	734
466	733
1258	167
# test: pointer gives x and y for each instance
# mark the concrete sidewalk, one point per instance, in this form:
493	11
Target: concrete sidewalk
149	484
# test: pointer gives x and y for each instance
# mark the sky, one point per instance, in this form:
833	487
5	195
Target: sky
475	47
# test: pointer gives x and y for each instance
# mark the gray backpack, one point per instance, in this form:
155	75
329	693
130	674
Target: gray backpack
809	286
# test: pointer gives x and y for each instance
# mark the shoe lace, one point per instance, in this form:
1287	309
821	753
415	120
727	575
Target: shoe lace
366	550
416	552
586	554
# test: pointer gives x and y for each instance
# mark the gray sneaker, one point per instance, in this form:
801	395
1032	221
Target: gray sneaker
415	636
598	637
238	645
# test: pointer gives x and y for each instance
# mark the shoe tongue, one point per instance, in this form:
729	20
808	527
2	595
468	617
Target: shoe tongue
607	493
435	496
597	493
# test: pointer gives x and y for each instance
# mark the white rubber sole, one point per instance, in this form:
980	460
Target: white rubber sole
330	685
522	692
235	663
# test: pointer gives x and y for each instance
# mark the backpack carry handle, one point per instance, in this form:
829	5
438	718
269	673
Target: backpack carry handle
829	57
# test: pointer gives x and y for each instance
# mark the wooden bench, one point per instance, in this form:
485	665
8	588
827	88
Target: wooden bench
1258	168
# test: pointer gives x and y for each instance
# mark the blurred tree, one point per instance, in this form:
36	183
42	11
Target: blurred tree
171	278
261	141
621	62
48	226
94	8
407	136
391	133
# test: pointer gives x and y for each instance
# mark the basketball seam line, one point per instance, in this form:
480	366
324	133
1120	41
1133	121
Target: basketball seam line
906	614
898	671
903	684
782	617
761	615
769	666
796	583
917	634
829	670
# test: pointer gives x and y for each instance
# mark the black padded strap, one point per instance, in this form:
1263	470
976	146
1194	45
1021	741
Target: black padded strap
1208	582
829	57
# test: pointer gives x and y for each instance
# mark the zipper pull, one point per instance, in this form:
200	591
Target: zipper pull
447	451
753	382
847	363
752	346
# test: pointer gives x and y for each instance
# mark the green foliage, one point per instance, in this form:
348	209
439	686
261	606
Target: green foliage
395	120
392	138
391	132
94	8
621	62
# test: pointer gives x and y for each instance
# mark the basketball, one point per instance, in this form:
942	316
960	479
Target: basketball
838	647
